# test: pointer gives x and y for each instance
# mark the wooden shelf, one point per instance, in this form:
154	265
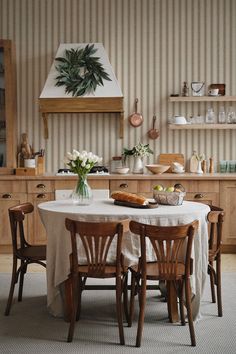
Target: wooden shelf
201	126
81	105
202	99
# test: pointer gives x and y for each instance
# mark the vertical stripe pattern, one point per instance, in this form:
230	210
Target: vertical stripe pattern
153	46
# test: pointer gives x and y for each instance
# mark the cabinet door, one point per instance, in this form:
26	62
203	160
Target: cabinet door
8	200
37	233
7	107
228	203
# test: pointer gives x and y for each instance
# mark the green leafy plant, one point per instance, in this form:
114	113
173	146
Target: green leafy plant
138	150
79	71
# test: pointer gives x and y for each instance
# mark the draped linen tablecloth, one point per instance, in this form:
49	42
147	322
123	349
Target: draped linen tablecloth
53	216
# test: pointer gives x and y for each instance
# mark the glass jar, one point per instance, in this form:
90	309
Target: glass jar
231	116
222	116
116	161
210	116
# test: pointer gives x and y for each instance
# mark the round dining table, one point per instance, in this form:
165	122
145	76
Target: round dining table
54	213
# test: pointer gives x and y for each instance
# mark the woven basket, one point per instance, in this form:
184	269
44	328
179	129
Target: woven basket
169	198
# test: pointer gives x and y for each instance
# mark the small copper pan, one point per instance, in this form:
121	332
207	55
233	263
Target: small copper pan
136	119
153	133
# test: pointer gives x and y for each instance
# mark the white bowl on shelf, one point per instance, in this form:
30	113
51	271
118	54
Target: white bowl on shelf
122	170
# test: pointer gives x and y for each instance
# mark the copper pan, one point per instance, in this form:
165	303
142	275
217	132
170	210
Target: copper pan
153	133
136	119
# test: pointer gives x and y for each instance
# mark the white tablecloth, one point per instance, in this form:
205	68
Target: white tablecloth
53	216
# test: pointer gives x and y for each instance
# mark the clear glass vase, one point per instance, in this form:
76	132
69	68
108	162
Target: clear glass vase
82	194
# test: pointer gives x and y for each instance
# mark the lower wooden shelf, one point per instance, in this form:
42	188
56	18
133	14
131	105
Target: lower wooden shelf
201	126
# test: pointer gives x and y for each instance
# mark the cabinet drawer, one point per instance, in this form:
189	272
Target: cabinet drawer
39	186
12	187
210	198
124	185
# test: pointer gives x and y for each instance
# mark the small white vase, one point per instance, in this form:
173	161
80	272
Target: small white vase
199	167
29	163
138	165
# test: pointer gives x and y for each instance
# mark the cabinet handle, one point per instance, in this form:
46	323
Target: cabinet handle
41	196
6	196
41	186
123	185
199	196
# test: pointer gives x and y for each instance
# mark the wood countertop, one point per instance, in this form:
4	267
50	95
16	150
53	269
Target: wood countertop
164	176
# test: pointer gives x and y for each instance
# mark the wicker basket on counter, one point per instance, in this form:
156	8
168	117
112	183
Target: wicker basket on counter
169	198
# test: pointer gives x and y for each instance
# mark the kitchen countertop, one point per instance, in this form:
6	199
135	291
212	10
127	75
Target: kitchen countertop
173	176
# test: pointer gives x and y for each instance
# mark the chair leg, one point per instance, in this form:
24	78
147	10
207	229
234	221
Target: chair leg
12	287
21	283
189	311
74	308
141	312
218	285
79	297
131	303
125	297
181	303
212	281
119	309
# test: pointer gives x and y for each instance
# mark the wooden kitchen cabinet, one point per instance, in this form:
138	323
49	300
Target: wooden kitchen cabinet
11	194
228	203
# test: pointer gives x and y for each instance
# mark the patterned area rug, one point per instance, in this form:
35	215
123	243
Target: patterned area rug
31	329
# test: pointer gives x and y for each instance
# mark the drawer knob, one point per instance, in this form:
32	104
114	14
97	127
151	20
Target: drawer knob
41	186
123	185
6	196
41	196
199	196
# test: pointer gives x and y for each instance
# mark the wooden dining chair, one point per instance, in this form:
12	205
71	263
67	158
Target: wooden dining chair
168	243
216	219
22	250
96	239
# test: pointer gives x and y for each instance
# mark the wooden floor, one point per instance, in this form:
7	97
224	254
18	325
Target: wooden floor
228	264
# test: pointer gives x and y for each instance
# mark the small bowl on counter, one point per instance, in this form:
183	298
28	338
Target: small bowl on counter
157	169
122	170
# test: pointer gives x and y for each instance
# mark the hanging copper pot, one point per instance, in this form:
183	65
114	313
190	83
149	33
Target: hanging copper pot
136	119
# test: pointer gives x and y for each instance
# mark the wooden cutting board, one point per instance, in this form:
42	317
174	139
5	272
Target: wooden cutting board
167	159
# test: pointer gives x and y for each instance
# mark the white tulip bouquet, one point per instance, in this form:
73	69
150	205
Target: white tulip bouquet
81	162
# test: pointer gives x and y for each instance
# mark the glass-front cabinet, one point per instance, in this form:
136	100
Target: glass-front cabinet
7	107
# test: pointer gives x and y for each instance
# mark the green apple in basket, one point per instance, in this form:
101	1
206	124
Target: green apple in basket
170	189
159	188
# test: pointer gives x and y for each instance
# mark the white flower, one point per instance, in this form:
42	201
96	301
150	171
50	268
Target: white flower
81	162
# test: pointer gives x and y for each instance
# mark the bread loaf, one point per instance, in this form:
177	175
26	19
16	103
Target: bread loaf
129	197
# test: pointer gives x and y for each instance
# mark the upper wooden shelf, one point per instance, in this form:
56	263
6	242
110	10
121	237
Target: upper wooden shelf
201	126
202	99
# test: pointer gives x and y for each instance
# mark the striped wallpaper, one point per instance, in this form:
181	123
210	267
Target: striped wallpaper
153	46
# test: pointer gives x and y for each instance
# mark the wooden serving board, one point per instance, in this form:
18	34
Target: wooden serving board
167	159
134	205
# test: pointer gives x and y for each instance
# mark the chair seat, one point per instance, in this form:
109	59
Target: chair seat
110	271
153	272
33	252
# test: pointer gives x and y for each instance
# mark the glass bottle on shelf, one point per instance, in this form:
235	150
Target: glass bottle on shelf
222	116
231	116
210	116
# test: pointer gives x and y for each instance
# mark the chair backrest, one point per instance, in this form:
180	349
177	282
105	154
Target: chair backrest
96	238
17	217
216	219
169	244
